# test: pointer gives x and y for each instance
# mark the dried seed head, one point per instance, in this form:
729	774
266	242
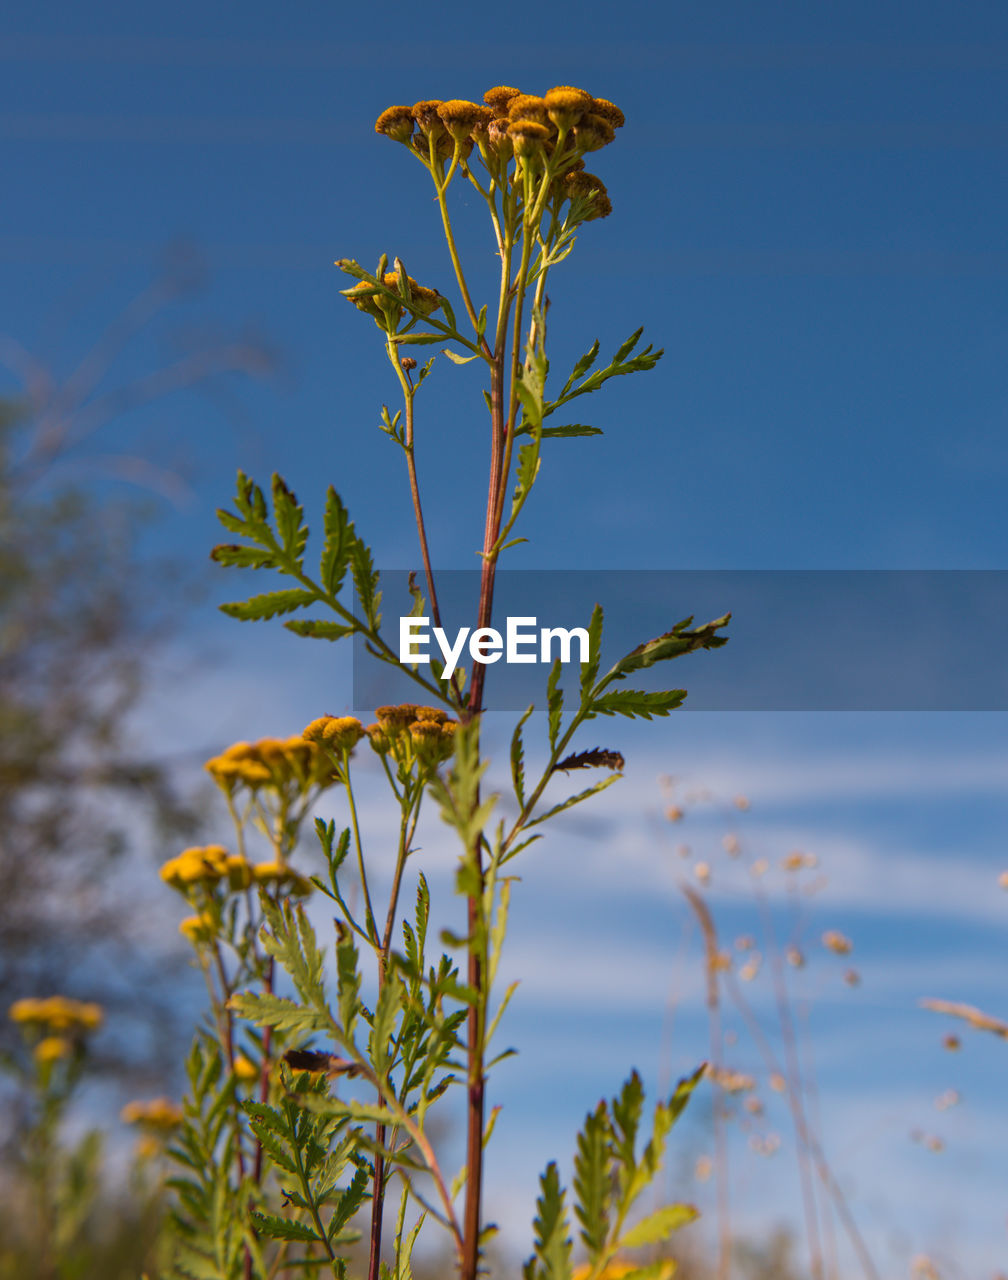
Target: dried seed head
425	113
593	133
833	940
527	136
499	140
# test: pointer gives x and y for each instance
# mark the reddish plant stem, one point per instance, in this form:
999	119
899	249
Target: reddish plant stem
476	1081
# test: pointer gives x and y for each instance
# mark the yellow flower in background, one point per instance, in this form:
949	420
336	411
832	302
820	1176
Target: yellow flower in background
160	1114
281	764
338	733
282	876
612	1272
245	1069
833	940
204	864
52	1049
59	1013
199	928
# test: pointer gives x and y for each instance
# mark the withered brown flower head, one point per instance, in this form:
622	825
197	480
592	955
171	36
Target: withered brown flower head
609	111
396	123
594	132
527	136
425	113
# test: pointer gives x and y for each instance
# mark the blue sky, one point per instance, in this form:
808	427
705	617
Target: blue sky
809	212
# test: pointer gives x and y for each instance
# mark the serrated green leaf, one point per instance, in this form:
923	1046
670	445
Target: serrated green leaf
275	1011
626	1114
525	474
518	758
276	1228
552	1231
339	538
635	702
571	801
628	346
582	366
569	430
260	608
589	669
673	644
230	555
349	1202
365	578
658	1226
592	1180
289	516
318	629
554	702
348	983
386	1012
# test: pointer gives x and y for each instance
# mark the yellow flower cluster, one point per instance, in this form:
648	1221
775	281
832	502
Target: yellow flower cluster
337	733
52	1049
200	928
613	1271
57	1013
201	864
410	733
566	121
160	1114
386	312
282	876
283	764
245	1069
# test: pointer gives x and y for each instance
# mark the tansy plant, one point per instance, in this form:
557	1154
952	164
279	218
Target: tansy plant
54	1197
307	1106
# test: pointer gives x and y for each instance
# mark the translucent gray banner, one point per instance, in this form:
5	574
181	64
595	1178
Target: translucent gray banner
799	640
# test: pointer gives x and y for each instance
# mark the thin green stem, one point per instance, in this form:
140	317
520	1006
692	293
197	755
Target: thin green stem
359	847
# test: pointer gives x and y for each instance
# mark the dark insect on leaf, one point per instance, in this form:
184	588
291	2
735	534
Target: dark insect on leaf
312	1060
596	758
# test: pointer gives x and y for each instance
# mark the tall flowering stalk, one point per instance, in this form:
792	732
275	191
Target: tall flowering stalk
334	1122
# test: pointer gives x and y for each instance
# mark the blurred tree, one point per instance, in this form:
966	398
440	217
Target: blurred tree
82	609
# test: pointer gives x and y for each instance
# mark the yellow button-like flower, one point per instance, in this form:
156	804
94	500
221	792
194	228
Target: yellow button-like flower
338	733
57	1012
203	864
199	928
245	1069
159	1114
